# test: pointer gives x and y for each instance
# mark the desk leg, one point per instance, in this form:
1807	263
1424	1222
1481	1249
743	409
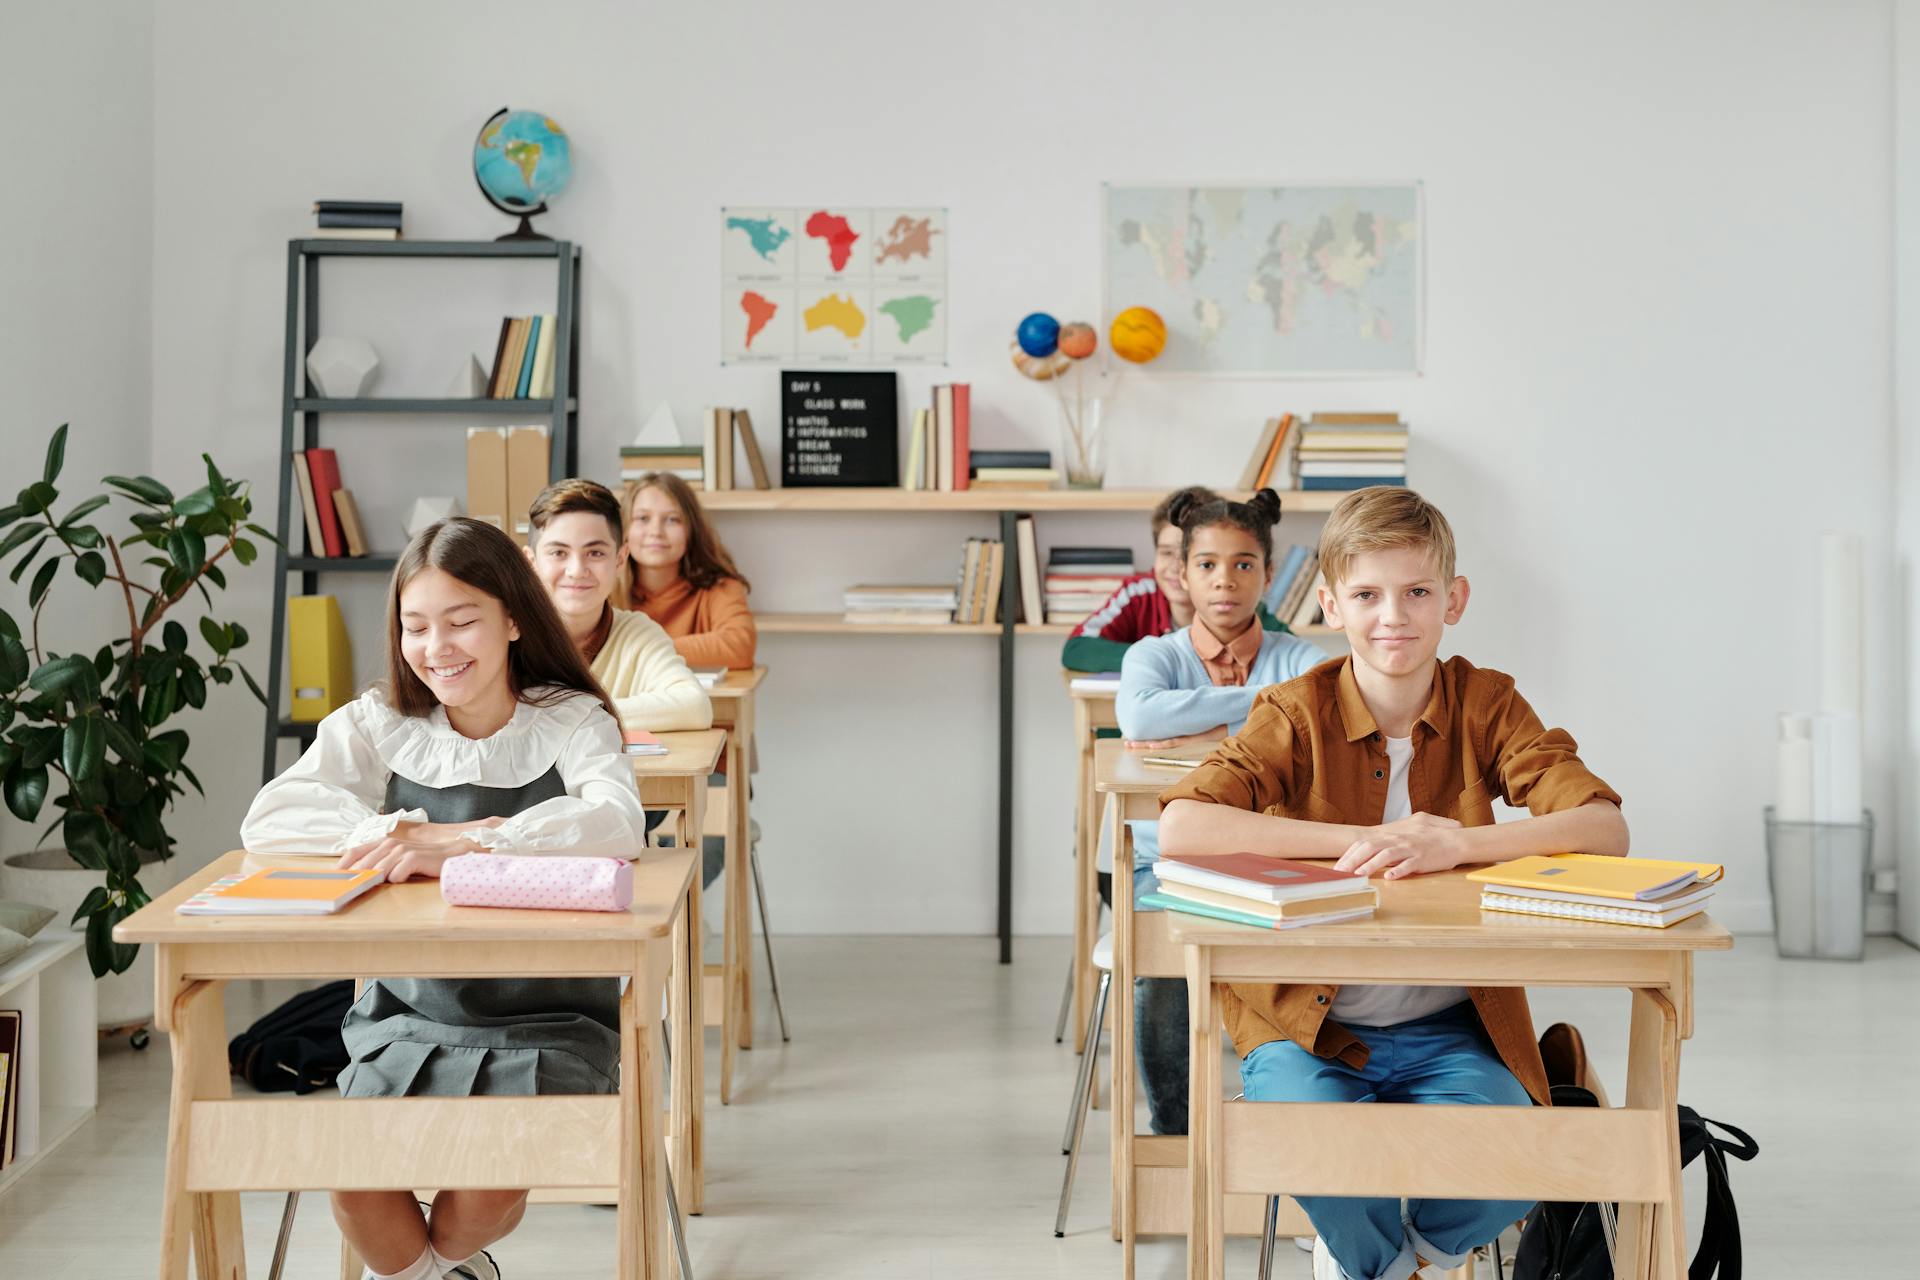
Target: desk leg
1207	1227
195	1017
642	1212
1086	890
1120	1008
739	868
686	1121
1652	1237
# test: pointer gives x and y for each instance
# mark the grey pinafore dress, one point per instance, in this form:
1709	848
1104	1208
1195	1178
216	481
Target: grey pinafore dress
455	1037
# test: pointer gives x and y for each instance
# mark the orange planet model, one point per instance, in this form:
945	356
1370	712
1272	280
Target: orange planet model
1077	340
1138	334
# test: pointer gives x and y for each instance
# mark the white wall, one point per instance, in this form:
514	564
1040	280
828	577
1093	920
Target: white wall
1906	474
76	86
1658	335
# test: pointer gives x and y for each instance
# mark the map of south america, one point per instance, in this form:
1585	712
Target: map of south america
759	310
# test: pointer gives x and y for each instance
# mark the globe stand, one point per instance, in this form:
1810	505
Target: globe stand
525	230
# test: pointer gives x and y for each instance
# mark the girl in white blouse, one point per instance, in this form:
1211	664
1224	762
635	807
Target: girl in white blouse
489	734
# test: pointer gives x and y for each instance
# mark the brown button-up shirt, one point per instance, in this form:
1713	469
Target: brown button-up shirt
1228	663
1311	750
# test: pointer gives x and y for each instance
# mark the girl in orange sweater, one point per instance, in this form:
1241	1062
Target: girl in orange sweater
674	570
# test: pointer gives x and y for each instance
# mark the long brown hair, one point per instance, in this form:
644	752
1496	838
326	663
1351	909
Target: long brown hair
543	658
706	562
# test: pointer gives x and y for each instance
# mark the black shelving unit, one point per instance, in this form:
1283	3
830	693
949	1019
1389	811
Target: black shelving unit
302	408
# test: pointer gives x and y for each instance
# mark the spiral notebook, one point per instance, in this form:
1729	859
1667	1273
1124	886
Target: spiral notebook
1563	910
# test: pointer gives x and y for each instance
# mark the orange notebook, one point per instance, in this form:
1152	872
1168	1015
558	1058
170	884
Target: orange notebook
281	892
638	742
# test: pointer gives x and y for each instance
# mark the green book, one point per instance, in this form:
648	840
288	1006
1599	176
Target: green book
668	450
1167	902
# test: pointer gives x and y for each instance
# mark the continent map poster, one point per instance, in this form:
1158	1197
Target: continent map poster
1301	280
829	286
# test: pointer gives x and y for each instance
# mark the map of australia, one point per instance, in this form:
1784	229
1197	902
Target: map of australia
833	229
836	311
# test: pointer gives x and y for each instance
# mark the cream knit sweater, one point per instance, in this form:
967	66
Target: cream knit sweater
650	683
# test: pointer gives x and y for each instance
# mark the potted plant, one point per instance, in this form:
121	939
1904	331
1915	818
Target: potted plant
98	724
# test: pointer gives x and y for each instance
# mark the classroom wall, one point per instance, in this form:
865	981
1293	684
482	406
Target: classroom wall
1658	336
1906	363
76	258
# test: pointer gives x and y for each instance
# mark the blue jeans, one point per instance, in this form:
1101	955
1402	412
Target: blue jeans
1445	1057
1160	1034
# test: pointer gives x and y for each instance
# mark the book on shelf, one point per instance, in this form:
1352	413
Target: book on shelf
523	359
1307	612
1347	484
309	513
915	475
920	596
354	233
968	588
952	433
323	465
281	891
1259	876
12	1067
992	459
1391	469
1101	557
506	371
1290	562
1027	547
351	529
1079	580
1014	479
357	218
710	448
539	378
638	742
1349	418
1268	448
1235	915
685	461
750	445
900	617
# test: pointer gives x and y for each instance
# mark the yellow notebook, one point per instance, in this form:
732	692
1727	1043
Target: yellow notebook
281	892
318	657
1593	875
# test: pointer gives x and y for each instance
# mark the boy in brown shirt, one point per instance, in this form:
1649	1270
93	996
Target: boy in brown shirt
1389	761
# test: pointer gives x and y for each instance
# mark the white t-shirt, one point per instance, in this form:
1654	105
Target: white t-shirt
1387	1006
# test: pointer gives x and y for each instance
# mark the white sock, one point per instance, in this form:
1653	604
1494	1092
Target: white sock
444	1265
425	1267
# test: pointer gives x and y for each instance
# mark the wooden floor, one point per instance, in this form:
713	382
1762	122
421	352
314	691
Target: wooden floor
911	1130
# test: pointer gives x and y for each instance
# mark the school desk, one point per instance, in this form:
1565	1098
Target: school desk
1092	712
607	1148
1430	930
731	1006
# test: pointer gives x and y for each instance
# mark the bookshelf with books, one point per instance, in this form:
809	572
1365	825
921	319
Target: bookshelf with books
49	1048
549	363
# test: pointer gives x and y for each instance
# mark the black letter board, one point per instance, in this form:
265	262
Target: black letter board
839	430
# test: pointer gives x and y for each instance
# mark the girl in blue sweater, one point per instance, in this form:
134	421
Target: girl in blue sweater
1198	685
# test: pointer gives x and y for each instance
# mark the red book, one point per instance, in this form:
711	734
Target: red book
324	466
1257	875
962	434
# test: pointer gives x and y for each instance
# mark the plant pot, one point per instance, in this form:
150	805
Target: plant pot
49	878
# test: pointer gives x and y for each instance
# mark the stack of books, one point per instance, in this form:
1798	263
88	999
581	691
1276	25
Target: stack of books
331	516
684	460
1255	889
1012	469
1079	580
1294	595
939	448
1647	892
982	565
722	427
356	219
523	359
901	606
1341	451
1263	464
709	676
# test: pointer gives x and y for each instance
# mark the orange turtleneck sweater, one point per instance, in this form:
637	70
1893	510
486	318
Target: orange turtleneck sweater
710	628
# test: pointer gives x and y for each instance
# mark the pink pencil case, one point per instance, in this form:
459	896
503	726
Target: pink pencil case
537	883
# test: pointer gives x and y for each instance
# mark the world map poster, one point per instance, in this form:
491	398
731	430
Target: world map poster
833	286
1271	280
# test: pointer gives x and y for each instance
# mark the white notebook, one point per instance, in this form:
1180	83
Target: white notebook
1490	901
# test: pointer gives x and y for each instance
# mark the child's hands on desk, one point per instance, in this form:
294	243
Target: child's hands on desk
1414	844
415	849
1216	734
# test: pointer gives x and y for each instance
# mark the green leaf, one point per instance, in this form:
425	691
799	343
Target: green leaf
39	744
188	551
8	627
84	535
197	503
220	674
9	756
218	637
84	748
245	552
10	513
163	754
86	508
145	488
19	537
253	685
215	480
26	791
96	898
193	685
91	568
13	662
217	577
41	581
161	700
189	776
239	634
175	637
124	744
60	675
87	838
37	498
21	565
56	454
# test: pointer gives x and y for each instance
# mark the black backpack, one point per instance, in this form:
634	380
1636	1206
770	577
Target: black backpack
1563	1241
297	1046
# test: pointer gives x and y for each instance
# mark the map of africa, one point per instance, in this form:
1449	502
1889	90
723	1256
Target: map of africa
1289	280
840	237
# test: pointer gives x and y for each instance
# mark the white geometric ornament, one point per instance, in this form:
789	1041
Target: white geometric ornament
660	431
470	383
426	510
342	368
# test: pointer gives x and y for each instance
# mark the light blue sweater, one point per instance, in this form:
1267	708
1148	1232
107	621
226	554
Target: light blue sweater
1165	692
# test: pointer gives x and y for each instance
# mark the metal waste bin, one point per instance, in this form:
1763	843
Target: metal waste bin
1819	872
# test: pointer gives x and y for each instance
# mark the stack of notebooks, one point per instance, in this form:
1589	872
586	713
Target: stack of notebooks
688	461
356	219
1294	596
938	450
1648	892
1264	464
1341	451
1255	889
1079	580
523	359
334	529
901	606
281	892
638	742
1012	470
982	565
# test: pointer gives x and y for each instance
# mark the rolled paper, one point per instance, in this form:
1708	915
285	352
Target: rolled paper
538	883
1838	793
1841	623
1793	778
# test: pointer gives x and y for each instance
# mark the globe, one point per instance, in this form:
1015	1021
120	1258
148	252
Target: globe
521	160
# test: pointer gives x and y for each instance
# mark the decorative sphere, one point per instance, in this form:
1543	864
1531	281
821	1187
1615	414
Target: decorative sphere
1138	334
1077	340
1039	368
521	160
1038	335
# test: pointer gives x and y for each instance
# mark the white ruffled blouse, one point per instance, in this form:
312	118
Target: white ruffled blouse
329	801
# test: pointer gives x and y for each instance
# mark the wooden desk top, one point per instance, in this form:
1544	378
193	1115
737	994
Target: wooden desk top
690	753
1443	910
1118	771
1067	677
737	684
415	912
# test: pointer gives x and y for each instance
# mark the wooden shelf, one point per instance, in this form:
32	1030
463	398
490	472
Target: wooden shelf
970	500
378	562
834	624
394	404
325	248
